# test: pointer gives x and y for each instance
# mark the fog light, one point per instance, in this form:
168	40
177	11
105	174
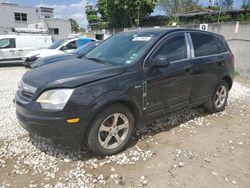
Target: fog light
75	120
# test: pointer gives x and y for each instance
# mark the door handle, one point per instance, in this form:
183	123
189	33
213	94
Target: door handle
20	50
11	51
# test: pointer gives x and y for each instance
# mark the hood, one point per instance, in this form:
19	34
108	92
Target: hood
52	59
44	53
69	73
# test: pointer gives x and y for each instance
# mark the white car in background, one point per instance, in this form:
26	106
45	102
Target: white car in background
59	47
14	47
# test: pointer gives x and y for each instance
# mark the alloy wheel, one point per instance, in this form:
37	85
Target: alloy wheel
220	97
113	131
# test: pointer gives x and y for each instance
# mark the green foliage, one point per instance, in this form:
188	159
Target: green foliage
100	25
91	13
214	8
174	20
245	5
227	4
175	7
243	17
209	19
102	6
82	30
125	13
74	25
225	18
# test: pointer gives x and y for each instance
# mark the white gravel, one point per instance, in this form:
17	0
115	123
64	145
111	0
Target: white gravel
34	156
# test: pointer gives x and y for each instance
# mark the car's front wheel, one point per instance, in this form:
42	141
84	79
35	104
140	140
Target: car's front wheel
218	100
111	130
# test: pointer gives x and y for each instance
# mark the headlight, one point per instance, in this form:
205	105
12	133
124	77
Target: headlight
54	99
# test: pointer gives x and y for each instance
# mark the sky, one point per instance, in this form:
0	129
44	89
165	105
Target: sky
75	8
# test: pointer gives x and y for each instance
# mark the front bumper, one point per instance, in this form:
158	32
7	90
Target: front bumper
52	126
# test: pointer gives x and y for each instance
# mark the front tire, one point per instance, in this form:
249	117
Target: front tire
111	130
218	101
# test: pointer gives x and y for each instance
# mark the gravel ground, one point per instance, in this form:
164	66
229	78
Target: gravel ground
189	149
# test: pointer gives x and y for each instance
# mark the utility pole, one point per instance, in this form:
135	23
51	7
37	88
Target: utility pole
138	16
220	11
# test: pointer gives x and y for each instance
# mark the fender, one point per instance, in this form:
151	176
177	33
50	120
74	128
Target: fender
112	97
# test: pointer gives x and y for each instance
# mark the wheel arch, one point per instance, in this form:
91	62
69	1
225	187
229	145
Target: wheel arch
229	81
102	103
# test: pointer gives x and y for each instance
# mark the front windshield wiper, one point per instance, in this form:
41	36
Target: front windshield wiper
98	60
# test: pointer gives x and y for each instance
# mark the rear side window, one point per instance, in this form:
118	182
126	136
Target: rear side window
7	43
221	45
174	49
204	45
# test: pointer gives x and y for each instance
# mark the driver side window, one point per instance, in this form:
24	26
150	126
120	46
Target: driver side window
70	46
7	43
174	49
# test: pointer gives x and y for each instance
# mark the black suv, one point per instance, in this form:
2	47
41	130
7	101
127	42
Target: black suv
129	79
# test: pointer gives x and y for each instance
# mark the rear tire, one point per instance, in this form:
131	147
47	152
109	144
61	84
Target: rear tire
111	130
218	100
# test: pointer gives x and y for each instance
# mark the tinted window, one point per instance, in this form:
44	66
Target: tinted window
86	48
174	49
221	45
204	45
7	43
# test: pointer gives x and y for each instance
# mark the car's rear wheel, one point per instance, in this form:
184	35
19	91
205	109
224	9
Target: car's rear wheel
111	130
218	100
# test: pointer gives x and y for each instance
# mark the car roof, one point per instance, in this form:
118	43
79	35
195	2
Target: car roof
164	30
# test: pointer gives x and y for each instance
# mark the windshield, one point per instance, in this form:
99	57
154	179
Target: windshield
124	48
57	43
85	49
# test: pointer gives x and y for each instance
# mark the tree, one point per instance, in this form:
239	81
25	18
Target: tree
227	4
91	13
102	6
74	25
125	13
174	7
245	5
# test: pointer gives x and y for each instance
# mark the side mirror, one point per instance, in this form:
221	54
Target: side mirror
159	62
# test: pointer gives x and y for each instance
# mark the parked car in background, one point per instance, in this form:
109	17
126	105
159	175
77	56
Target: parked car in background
59	47
78	53
122	84
14	47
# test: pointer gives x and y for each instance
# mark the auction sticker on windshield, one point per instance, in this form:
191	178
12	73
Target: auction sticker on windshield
141	39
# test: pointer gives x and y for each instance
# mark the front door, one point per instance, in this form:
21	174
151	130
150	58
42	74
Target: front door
169	88
7	50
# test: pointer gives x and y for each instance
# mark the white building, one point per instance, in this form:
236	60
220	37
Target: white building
15	16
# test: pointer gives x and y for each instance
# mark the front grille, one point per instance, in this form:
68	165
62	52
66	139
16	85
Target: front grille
26	96
25	92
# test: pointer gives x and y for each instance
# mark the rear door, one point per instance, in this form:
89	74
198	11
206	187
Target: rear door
25	45
208	58
8	50
169	88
